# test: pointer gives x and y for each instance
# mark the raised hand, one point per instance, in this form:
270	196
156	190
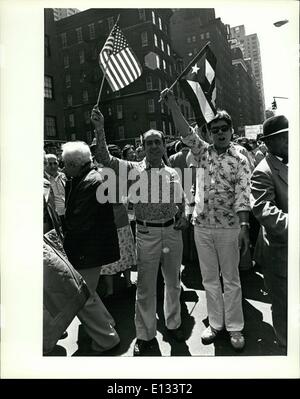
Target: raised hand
97	118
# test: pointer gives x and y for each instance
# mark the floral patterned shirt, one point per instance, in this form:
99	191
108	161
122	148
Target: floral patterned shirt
222	184
157	182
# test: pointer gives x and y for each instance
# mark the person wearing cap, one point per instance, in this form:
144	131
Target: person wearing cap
220	218
159	220
269	203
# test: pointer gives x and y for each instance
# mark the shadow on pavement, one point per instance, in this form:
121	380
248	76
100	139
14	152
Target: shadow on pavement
258	334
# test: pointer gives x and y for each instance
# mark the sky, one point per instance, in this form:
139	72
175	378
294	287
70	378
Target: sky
278	46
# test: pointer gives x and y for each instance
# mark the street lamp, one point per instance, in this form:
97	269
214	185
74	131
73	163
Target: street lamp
278	24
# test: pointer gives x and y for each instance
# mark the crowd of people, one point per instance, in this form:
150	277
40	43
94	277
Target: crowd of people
231	192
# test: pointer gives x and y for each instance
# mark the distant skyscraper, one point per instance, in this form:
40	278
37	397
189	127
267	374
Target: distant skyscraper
249	45
60	13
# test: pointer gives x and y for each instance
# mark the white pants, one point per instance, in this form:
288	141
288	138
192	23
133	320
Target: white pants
158	244
97	321
218	252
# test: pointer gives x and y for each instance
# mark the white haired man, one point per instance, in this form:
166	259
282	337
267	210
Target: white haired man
90	240
158	234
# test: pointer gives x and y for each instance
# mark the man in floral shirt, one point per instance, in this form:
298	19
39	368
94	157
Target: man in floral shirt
222	205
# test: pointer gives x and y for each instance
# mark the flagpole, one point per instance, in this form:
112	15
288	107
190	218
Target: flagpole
188	67
104	75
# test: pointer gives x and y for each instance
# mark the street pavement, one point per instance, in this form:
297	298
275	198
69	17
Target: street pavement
257	312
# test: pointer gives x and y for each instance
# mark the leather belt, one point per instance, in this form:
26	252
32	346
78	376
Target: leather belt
154	224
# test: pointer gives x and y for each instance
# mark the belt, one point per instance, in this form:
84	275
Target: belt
154	224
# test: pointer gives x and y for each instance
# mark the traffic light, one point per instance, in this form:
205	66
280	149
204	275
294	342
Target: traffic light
274	105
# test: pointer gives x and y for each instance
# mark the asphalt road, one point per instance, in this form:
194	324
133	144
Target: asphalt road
257	312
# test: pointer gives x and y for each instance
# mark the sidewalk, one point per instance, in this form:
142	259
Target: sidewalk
257	312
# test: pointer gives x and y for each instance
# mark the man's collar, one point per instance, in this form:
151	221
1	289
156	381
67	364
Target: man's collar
148	165
230	150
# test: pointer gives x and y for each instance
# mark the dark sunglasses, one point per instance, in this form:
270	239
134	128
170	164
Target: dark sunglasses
223	129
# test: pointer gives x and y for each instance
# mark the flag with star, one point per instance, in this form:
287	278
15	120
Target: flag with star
119	64
199	85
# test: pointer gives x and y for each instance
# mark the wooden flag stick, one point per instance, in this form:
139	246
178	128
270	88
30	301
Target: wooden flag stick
197	56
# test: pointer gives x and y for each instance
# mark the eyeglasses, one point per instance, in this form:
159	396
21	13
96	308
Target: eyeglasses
223	129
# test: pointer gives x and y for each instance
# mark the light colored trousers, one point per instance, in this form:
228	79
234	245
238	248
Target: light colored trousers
218	252
157	244
97	321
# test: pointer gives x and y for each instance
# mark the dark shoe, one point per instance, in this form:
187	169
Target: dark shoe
90	352
176	334
141	347
237	340
208	336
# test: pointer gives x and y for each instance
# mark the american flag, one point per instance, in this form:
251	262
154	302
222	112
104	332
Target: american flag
118	62
199	85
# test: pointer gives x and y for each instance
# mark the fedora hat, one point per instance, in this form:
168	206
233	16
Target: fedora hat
274	125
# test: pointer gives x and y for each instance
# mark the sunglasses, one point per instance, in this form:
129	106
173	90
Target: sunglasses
223	129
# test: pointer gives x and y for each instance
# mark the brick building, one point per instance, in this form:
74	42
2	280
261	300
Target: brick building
135	108
54	132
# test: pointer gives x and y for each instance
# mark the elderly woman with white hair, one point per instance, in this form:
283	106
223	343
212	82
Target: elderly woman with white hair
90	240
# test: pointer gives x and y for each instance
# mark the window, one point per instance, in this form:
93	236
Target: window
47	46
144	38
170	129
202	36
82	76
162	45
157	61
94	54
66	61
164	65
150	105
85	96
68	80
207	35
152	124
50	123
153	17
92	31
109	111
168	49
193	39
89	136
71	120
159	84
155	40
110	22
87	117
63	37
142	14
48	87
119	111
164	126
159	23
73	136
121	132
81	56
188	39
69	100
79	35
170	70
149	85
162	108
